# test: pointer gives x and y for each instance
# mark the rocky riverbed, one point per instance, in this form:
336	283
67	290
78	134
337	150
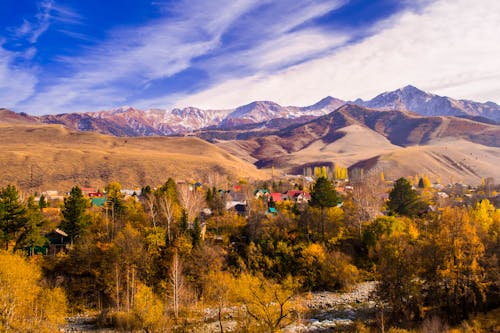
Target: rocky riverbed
324	312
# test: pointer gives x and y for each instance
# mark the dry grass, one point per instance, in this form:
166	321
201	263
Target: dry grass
40	157
451	160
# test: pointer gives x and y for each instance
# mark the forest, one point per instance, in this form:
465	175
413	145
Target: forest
155	262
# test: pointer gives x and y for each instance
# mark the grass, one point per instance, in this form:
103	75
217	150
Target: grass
42	157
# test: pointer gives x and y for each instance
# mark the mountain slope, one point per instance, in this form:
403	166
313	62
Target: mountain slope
352	134
260	115
413	99
450	160
40	157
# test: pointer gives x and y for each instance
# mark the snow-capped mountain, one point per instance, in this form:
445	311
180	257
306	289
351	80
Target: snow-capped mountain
128	121
413	99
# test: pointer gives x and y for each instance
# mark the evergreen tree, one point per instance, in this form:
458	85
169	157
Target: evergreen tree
12	214
184	221
404	200
170	190
31	234
323	195
75	220
196	232
215	201
42	203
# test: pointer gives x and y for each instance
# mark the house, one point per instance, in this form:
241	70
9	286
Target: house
58	241
98	201
87	190
276	196
297	196
263	192
241	209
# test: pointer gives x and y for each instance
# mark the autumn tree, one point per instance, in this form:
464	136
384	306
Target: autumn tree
176	278
397	250
115	202
25	305
191	199
268	305
366	199
75	219
454	252
169	210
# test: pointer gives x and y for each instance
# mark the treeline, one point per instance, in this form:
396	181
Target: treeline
155	262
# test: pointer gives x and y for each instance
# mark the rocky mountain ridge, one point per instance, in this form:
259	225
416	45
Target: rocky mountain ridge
129	121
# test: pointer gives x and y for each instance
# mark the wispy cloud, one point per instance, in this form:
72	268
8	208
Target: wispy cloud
48	12
109	73
447	47
16	83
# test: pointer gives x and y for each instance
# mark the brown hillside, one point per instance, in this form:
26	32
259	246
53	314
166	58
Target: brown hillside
52	157
450	160
10	117
354	135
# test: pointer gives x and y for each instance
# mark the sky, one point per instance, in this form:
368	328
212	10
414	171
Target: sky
60	56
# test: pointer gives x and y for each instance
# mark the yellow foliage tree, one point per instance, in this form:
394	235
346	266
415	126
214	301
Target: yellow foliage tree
148	309
24	305
269	306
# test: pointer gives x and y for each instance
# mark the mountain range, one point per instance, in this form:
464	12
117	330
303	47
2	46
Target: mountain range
403	132
129	121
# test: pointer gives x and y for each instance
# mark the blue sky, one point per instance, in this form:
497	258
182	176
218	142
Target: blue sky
74	56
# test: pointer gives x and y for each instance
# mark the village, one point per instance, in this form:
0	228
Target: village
279	192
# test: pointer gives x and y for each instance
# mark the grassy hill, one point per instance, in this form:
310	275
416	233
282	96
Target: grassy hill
399	143
40	157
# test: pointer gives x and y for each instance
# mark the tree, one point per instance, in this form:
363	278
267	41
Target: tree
184	222
454	253
268	304
12	214
25	306
215	201
196	232
403	200
169	210
42	203
115	200
30	235
75	219
366	198
323	195
400	286
177	283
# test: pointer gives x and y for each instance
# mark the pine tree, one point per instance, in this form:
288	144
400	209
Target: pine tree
75	220
12	214
184	221
323	195
30	235
403	200
42	203
196	232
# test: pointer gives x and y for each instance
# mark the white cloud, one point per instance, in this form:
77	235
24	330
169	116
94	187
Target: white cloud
106	74
135	56
16	83
449	48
